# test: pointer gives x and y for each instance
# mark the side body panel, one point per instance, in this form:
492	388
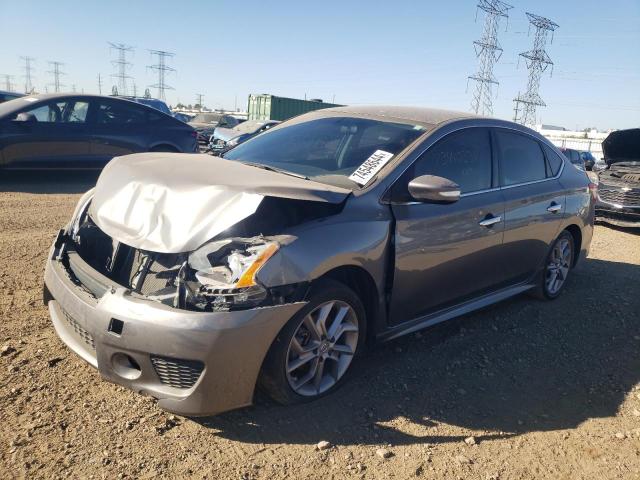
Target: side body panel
443	255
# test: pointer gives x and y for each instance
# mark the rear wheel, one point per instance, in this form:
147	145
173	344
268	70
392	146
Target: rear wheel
315	350
557	268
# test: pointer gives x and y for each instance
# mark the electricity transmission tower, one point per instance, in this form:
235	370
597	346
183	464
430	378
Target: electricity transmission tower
162	68
100	84
488	51
8	84
28	69
122	65
538	61
200	96
56	75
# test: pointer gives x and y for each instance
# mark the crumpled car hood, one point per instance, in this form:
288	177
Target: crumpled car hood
173	202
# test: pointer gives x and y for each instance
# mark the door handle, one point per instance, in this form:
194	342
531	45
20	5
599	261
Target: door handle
554	208
490	221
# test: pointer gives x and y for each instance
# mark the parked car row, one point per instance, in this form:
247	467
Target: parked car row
205	123
225	138
84	131
582	159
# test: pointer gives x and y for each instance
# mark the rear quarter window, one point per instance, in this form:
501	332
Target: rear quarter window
554	160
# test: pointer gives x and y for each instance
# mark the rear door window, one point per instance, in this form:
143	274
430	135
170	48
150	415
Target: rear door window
521	158
116	114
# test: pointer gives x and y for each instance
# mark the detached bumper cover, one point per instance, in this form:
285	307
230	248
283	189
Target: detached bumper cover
194	363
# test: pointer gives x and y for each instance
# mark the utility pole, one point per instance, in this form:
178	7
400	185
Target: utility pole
99	84
28	69
162	68
488	51
199	97
56	75
122	66
538	61
8	84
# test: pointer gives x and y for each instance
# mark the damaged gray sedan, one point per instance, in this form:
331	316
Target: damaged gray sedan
195	279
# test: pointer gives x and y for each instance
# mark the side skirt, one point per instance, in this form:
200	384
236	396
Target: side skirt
452	312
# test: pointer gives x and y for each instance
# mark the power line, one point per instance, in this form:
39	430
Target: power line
8	84
28	69
56	75
488	51
122	66
162	68
199	96
538	61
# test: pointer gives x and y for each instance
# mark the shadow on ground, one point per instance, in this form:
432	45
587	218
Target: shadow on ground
520	366
43	181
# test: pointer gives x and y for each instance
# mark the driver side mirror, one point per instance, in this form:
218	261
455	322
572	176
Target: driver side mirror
431	188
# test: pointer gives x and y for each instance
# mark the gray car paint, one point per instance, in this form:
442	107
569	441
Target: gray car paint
407	251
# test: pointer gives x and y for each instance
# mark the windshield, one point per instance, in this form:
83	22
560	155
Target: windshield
206	118
326	150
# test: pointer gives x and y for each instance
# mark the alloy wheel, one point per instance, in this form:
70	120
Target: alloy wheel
322	348
558	266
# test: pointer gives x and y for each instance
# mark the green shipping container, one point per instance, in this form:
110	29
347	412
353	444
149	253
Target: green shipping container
270	107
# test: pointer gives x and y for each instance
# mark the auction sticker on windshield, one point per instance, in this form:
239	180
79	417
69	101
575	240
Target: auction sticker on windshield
370	167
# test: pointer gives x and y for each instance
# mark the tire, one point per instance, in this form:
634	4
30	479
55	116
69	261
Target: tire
544	289
278	383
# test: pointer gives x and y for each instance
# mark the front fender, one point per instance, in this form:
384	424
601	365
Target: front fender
324	246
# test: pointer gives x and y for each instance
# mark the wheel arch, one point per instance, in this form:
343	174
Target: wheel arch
576	233
362	283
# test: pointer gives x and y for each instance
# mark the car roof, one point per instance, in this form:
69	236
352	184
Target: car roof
421	115
18	104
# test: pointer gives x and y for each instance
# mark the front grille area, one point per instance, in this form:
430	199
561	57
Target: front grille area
84	335
619	196
176	372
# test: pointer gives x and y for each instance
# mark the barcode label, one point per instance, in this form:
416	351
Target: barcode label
370	167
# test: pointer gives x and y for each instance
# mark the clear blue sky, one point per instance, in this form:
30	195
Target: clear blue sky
399	52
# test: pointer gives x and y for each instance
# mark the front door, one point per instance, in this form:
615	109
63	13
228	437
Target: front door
447	253
53	134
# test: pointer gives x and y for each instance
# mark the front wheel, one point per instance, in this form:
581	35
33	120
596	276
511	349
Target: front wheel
557	268
314	351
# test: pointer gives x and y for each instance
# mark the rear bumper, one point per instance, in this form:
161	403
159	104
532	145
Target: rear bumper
193	363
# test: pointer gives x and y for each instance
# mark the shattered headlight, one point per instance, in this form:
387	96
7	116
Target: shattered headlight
225	272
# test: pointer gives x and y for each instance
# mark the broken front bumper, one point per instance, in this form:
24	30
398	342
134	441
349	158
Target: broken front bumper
193	363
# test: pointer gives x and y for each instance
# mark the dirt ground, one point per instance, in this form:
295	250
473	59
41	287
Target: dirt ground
522	390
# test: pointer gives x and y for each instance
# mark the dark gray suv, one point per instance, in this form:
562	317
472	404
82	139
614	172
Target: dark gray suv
195	279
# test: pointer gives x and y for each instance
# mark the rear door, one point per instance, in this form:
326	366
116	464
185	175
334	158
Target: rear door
119	129
534	203
55	137
447	253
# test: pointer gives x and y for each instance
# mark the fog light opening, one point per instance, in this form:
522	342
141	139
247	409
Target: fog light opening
125	366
